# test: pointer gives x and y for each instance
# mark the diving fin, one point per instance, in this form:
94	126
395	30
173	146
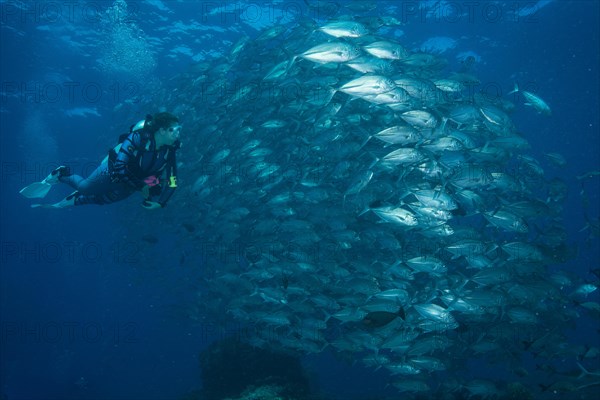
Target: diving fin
39	190
43	206
36	190
68	201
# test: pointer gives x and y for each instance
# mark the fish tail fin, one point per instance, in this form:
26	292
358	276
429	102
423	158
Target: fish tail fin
375	161
491	250
365	142
587	385
402	313
584	372
403	191
462	285
515	90
289	66
344	202
587	226
451	303
330	93
442	127
366	210
444	183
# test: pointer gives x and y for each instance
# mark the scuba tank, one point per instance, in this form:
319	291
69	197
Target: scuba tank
112	153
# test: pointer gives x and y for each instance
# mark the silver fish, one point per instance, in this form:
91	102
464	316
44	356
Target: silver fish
336	52
386	50
368	85
349	29
534	101
396	215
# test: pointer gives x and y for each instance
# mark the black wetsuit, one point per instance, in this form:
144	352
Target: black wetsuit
118	178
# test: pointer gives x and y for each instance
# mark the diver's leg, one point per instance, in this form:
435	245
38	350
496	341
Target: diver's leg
97	188
116	192
97	183
72	180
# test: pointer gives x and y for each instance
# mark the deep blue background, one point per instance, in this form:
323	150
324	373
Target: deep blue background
75	301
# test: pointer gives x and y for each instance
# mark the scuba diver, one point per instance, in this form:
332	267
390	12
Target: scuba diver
135	164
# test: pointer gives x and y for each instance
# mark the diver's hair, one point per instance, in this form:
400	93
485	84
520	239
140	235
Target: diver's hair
160	120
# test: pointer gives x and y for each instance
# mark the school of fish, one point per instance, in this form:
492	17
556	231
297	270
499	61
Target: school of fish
348	194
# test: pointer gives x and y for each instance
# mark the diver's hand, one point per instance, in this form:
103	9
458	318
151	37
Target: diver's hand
151	205
145	191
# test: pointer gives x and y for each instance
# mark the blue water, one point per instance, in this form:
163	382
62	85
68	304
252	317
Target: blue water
81	317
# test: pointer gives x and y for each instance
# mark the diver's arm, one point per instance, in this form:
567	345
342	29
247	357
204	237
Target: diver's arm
120	170
169	180
166	194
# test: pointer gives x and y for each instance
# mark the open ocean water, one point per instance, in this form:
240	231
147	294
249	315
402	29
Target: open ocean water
296	244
